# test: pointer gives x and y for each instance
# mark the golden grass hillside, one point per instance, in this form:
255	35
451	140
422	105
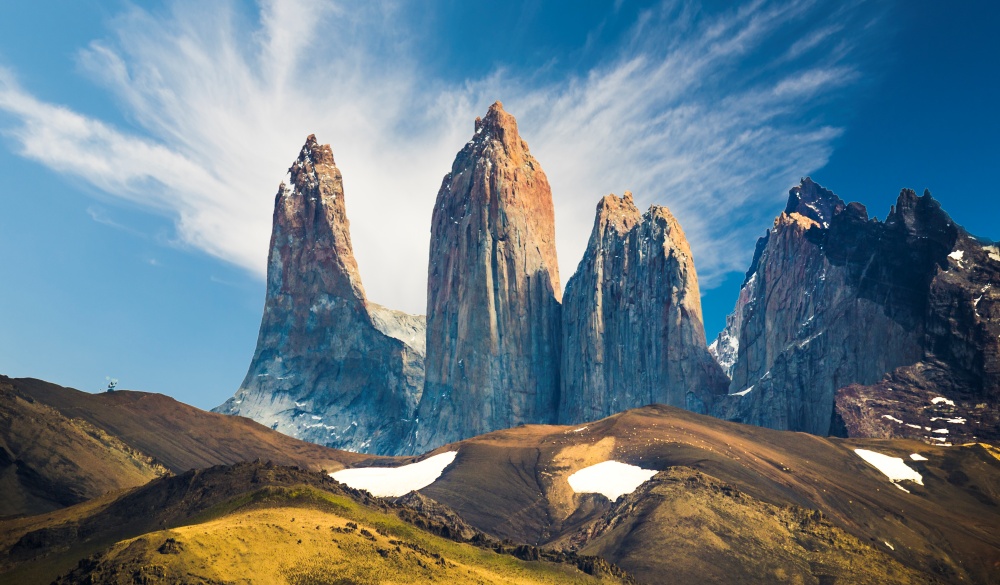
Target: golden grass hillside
303	536
264	523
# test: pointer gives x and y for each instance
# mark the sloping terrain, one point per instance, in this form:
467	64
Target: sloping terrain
48	461
182	437
739	538
513	484
266	523
730	502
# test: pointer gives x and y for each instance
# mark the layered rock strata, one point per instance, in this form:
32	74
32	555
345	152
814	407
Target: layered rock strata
492	293
330	367
834	301
632	330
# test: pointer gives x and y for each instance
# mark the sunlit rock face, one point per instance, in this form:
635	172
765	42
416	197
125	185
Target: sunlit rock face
845	319
492	293
330	367
632	330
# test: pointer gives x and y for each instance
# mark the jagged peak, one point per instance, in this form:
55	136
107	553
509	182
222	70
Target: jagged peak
314	153
758	251
660	211
909	204
310	216
672	230
621	214
314	160
500	126
811	200
613	203
617	213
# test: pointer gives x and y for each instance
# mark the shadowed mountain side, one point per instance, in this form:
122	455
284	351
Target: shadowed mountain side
297	526
513	484
48	461
853	326
179	436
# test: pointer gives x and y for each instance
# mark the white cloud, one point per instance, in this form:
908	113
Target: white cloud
691	112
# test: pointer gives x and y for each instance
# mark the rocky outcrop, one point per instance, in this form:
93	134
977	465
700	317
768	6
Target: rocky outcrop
632	330
330	367
952	395
492	292
835	300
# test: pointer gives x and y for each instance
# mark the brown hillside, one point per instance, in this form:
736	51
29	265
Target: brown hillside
179	436
48	461
513	484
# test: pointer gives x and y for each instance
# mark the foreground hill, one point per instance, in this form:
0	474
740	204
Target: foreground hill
60	446
781	505
48	461
719	501
179	436
255	522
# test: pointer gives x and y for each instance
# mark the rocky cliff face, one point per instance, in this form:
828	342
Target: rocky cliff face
952	395
632	326
492	292
835	300
330	367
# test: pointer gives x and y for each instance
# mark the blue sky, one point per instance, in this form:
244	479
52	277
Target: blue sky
141	145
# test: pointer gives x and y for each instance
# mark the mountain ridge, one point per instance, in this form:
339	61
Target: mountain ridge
872	307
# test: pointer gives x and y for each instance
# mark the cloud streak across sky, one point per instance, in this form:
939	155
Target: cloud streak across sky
714	116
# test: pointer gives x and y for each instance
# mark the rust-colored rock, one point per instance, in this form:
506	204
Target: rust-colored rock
492	292
330	367
632	326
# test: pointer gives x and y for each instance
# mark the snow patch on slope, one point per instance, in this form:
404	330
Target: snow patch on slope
611	478
892	467
396	481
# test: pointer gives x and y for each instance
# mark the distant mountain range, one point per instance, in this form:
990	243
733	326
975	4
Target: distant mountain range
845	325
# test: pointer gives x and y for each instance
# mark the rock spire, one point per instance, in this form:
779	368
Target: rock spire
330	367
632	326
493	291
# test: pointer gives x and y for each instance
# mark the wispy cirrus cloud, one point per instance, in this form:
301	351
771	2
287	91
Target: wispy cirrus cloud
712	115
